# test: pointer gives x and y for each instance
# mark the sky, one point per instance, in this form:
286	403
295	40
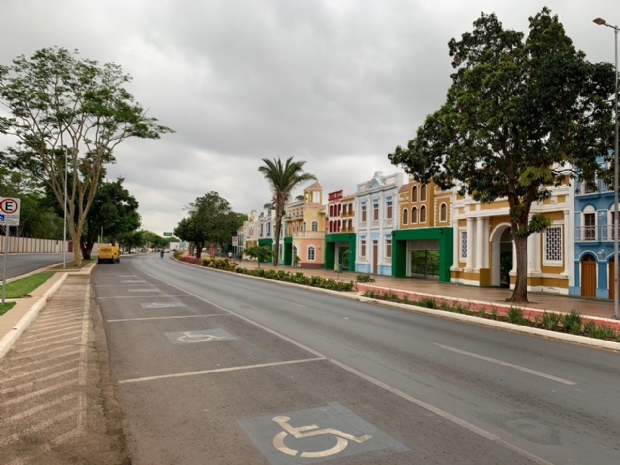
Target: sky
337	83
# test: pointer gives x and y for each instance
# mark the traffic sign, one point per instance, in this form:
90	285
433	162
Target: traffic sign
9	211
167	234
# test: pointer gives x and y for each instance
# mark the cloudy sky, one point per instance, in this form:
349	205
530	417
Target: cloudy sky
338	83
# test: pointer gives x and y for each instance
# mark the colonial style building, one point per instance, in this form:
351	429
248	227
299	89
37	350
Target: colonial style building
266	228
340	238
377	207
251	230
593	260
423	244
484	252
305	229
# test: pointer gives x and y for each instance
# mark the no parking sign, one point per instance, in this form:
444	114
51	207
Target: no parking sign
9	211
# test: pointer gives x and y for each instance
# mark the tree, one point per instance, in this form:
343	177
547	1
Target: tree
261	252
283	178
131	239
210	221
522	115
65	110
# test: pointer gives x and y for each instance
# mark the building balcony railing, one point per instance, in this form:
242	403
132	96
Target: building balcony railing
374	224
309	234
389	222
347	214
604	233
347	230
363	224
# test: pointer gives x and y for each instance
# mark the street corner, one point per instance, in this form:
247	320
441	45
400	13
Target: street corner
317	435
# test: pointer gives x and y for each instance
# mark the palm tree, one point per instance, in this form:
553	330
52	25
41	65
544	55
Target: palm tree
283	178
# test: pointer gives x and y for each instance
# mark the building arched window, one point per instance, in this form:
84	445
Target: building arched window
423	214
405	216
423	193
414	194
315	226
311	253
414	215
443	212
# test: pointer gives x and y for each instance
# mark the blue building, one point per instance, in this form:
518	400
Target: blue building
377	217
593	241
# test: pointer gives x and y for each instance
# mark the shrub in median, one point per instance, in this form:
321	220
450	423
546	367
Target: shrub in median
364	278
219	263
300	278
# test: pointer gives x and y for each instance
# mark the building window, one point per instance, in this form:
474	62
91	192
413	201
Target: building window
443	212
268	229
304	227
311	253
414	215
261	230
363	213
423	193
375	211
589	228
414	194
388	248
363	248
389	209
331	210
405	216
463	244
423	213
315	226
553	244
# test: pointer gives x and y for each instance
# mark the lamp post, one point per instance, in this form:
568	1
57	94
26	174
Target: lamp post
64	229
602	22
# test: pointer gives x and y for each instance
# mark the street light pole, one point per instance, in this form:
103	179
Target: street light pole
64	229
602	22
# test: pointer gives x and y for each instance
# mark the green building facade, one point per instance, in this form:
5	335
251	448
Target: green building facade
442	236
341	241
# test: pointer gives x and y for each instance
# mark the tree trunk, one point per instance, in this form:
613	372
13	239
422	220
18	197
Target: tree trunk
519	294
76	235
199	246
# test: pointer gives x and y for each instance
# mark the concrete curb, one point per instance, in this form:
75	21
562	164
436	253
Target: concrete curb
544	333
9	339
27	275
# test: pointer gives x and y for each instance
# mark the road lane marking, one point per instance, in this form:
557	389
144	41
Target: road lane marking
38	370
144	290
168	317
38	408
220	370
34	334
437	411
37	362
30	395
43	352
38	427
46	344
32	341
38	380
506	364
142	297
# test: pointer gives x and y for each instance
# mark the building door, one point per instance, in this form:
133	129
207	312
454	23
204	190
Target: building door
611	274
375	256
588	276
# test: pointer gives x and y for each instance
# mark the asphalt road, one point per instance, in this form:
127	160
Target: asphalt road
219	369
19	264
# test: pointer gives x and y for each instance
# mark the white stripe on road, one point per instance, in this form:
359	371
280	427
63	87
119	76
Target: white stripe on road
506	364
169	317
142	297
219	370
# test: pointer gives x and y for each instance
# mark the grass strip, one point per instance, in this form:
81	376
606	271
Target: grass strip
25	286
6	307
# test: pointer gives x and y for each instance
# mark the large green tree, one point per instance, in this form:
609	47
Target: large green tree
523	114
282	179
211	221
64	110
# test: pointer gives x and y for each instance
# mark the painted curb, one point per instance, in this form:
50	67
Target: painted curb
544	333
10	338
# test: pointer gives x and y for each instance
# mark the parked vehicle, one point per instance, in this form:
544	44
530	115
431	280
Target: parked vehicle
109	253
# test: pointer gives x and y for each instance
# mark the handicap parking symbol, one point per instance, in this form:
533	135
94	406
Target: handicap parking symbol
316	435
204	335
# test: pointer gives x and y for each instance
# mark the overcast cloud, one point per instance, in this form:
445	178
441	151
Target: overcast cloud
338	83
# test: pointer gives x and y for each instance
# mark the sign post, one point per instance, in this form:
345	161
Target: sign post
9	216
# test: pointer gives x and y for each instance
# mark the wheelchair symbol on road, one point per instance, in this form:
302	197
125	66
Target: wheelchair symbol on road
342	439
188	336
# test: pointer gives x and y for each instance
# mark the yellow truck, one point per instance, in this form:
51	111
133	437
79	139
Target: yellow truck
109	253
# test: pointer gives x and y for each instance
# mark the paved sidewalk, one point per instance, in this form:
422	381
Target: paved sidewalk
551	302
53	387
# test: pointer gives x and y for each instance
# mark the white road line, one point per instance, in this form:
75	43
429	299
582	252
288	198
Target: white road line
506	364
56	319
144	290
144	296
51	316
58	324
441	413
37	427
33	340
38	380
169	317
36	334
219	370
37	362
43	352
121	285
39	370
38	408
30	395
46	344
